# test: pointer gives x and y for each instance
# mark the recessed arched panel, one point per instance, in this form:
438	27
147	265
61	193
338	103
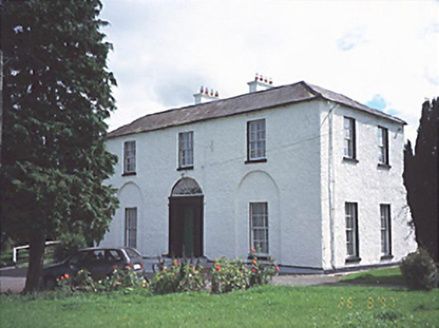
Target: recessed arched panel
257	188
186	187
130	194
132	206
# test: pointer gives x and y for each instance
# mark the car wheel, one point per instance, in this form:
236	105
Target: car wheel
49	283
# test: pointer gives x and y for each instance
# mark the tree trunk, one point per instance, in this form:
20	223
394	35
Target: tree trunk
36	251
1	104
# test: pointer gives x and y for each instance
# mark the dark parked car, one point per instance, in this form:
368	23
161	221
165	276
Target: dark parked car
100	262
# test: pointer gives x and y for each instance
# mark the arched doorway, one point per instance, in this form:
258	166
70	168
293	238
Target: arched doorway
186	219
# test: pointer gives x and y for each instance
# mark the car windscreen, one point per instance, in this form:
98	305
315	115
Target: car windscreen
132	253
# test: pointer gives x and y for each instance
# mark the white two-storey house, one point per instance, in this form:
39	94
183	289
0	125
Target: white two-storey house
305	175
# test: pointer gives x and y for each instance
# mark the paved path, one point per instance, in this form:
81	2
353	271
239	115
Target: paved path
11	284
12	279
306	279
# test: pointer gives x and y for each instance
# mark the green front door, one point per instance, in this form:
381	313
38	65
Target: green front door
186	226
188	231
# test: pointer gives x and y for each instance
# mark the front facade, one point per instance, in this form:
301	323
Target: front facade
301	174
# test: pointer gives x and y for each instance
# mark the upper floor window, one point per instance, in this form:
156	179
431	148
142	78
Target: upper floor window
186	149
383	146
256	138
259	227
349	138
129	157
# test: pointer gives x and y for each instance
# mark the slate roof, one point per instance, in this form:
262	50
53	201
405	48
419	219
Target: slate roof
274	97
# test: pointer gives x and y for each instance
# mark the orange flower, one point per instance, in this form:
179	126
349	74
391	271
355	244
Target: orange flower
66	275
218	268
254	262
277	268
176	262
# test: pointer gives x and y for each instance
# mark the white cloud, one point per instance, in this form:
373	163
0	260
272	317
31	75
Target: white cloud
165	50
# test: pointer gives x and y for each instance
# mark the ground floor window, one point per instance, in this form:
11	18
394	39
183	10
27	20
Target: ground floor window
131	227
259	227
386	240
352	244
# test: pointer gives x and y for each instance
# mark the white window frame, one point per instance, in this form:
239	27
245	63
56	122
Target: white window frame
186	149
386	230
129	157
352	236
349	138
130	239
257	243
383	146
256	140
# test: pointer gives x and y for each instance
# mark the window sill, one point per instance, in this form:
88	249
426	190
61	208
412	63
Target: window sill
128	174
250	161
353	259
262	257
350	160
384	166
386	257
185	168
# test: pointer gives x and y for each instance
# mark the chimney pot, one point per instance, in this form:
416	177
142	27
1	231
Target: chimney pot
260	83
205	95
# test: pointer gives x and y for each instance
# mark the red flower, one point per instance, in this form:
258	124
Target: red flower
66	275
277	268
115	266
252	250
62	278
218	268
253	269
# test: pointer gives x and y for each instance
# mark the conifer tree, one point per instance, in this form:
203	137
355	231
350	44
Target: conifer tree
421	178
57	94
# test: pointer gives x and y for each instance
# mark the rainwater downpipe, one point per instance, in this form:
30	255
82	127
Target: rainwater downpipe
331	184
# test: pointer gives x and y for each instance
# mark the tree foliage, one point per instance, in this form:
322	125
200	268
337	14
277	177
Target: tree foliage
57	94
421	178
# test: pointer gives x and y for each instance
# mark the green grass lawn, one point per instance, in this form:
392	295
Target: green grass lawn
274	306
388	276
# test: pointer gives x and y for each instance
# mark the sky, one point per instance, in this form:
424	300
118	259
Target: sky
384	54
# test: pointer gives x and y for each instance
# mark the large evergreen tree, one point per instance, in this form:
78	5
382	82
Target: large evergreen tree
57	94
421	178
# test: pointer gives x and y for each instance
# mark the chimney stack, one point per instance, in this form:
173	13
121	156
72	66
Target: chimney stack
260	83
205	95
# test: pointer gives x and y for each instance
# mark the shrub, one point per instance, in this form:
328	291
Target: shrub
419	270
69	243
261	271
178	276
126	280
227	276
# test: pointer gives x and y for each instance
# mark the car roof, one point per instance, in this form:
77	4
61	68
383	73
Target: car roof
100	248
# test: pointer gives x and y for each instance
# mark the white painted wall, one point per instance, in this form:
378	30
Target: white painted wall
288	181
294	181
364	183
